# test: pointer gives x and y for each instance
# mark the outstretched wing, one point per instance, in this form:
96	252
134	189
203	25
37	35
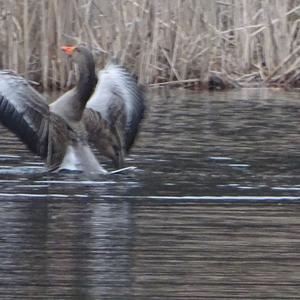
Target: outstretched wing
25	112
118	97
120	102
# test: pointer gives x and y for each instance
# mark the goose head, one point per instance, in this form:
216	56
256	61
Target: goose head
80	55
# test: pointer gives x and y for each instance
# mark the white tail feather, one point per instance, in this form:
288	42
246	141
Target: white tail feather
81	158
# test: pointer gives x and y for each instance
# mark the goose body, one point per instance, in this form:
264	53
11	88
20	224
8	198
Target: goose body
60	133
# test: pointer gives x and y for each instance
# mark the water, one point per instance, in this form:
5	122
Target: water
211	212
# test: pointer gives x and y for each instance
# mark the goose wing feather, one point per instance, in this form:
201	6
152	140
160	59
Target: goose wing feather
26	113
119	100
103	136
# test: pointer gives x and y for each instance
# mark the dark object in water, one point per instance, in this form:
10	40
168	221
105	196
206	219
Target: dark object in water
216	83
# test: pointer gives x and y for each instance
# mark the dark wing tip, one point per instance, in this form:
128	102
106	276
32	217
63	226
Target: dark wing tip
132	128
45	135
16	122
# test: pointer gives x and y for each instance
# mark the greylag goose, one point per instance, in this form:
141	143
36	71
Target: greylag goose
58	133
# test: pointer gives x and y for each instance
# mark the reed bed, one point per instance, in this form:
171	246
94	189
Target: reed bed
195	42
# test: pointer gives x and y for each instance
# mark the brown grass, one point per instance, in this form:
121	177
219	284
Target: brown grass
241	41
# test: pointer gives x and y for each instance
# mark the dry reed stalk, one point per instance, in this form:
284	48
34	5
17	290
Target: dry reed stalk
10	28
175	82
26	37
44	44
54	78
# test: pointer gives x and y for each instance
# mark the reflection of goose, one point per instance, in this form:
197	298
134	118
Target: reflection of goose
57	133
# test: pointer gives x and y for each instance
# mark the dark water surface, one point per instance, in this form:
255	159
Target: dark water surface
211	212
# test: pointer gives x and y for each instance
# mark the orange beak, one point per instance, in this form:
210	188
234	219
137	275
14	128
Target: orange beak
68	50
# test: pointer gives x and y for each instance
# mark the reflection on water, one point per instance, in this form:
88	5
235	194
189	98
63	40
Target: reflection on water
211	211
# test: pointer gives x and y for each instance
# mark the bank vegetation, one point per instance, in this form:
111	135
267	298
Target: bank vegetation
192	42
